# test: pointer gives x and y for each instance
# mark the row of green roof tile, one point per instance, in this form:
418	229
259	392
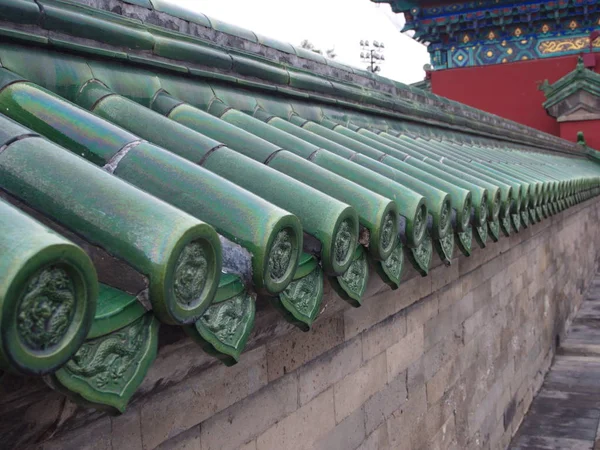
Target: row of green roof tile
580	79
203	175
71	26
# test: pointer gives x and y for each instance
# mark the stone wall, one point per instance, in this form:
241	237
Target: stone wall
451	360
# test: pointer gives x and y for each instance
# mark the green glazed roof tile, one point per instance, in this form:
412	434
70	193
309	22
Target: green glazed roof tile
95	25
117	221
192	52
22	36
232	29
308	81
309	54
224	328
115	309
87	379
170	7
68	45
7	77
212	75
144	3
157	63
300	303
351	285
19	11
254	84
274	43
581	78
258	69
269	154
42	275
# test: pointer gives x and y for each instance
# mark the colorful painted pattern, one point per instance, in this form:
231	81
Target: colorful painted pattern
495	31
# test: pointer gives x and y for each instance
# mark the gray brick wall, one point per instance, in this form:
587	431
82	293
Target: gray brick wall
450	361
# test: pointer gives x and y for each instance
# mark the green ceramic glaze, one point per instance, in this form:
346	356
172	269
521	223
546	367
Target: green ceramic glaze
524	188
525	219
539	213
505	225
48	291
379	215
410	204
224	328
420	257
180	255
265	70
479	194
273	236
532	215
106	371
390	270
192	52
239	215
352	284
383	233
445	248
338	138
339	226
19	11
115	309
337	230
94	24
423	158
545	211
437	206
494	230
301	300
440	152
62	122
305	134
438	202
515	221
461	198
481	235
61	73
464	241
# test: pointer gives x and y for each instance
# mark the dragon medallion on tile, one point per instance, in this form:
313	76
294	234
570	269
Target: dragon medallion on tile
46	310
280	255
465	241
343	242
191	271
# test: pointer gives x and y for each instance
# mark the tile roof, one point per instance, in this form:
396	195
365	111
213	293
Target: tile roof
581	78
188	175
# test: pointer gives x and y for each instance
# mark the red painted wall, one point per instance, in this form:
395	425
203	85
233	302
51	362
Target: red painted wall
590	128
508	90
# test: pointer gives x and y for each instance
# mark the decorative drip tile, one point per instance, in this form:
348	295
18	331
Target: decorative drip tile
351	285
515	220
223	329
494	230
532	215
464	241
390	270
505	225
420	257
545	211
107	370
524	219
301	300
445	248
481	235
539	213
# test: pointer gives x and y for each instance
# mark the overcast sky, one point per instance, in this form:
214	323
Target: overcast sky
339	24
